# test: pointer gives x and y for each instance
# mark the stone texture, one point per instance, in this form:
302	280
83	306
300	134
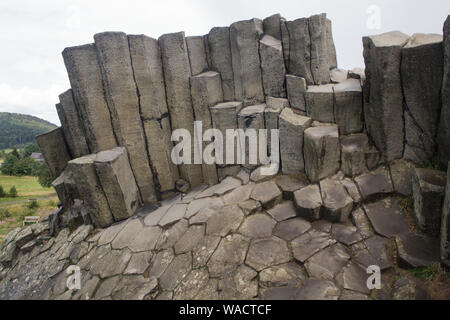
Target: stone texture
320	65
416	251
428	195
290	229
374	252
241	284
383	99
327	263
387	218
354	278
289	184
445	228
190	239
375	183
175	214
318	290
175	272
117	180
308	202
176	74
271	117
300	49
272	26
86	82
229	255
296	89
402	172
123	102
292	128
443	137
284	211
272	65
320	103
224	220
405	289
337	204
338	75
264	253
322	152
348	106
136	237
346	234
268	194
309	244
361	221
244	38
54	150
354	154
422	96
197	54
331	49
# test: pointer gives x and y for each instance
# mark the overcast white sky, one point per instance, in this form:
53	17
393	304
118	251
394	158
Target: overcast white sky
34	33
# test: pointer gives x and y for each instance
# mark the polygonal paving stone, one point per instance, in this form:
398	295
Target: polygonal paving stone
225	186
309	244
139	263
243	176
327	263
352	190
191	285
322	226
267	193
361	221
241	284
160	262
203	215
224	220
291	229
239	194
259	176
176	272
279	293
136	237
190	239
405	289
354	278
264	253
416	251
289	184
250	207
318	290
110	233
229	255
78	235
88	286
204	250
197	205
373	253
346	234
111	264
337	204
170	236
194	192
257	226
375	183
289	274
387	218
348	295
308	202
106	288
134	288
154	217
175	214
283	211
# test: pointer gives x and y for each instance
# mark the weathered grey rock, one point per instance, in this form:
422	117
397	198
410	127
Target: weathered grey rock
354	278
228	171
92	193
320	103
428	194
176	75
361	221
285	41
445	224
271	115
308	202
175	214
443	137
206	92
54	149
373	158
309	244
117	180
327	263
86	82
136	237
354	154
296	89
289	184
348	106
416	251
123	102
244	38
346	234
383	99
289	274
112	263
387	218
224	220
331	49
338	75
204	250
197	54
422	94
149	77
191	285
268	194
229	255
250	207
72	125
337	204
139	263
375	183
160	262
402	172
220	54
374	252
318	290
272	26
300	49
320	64
272	66
176	272
322	152
257	226
239	285
291	229
264	253
238	195
292	127
190	239
283	211
405	289
66	188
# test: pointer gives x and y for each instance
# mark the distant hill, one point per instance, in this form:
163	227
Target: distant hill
16	130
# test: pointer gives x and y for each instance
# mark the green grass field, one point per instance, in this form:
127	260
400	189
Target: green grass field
27	187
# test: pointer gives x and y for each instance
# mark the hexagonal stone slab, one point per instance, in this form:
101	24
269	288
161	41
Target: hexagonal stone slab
337	204
134	288
309	244
387	218
284	211
257	226
224	220
190	239
197	205
375	183
241	284
289	184
160	262
225	186
267	193
139	263
361	221
108	235
176	272
327	263
170	236
291	229
374	252
173	215
318	290
264	253
191	285
416	251
239	194
279	293
111	264
354	278
346	234
229	255
136	237
250	207
204	250
288	274
308	202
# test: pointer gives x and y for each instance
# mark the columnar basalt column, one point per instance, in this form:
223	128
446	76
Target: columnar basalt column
296	89
272	65
444	127
320	65
320	103
271	116
54	149
72	126
272	26
123	101
331	48
197	54
348	106
300	49
445	224
86	82
148	73
176	74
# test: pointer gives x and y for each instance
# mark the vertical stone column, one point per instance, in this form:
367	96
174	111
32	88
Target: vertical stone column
54	150
444	127
176	74
383	98
244	37
272	65
320	65
320	103
300	49
123	101
445	224
296	89
206	92
421	71
72	126
331	48
148	73
271	115
197	54
219	49
86	81
348	106
272	26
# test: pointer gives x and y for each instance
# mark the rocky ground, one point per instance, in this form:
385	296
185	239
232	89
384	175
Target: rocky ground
245	238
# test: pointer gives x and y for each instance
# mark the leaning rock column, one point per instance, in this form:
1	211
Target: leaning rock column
118	183
244	37
445	224
422	67
148	73
300	49
320	66
272	65
383	98
123	101
331	48
54	150
72	126
296	89
197	54
444	127
176	74
292	127
86	82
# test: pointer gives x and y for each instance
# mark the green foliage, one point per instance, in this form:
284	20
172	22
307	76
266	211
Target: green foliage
2	192
426	273
45	178
16	130
4	213
13	192
7	167
33	204
29	149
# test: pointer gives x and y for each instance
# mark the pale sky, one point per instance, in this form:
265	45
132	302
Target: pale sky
34	33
